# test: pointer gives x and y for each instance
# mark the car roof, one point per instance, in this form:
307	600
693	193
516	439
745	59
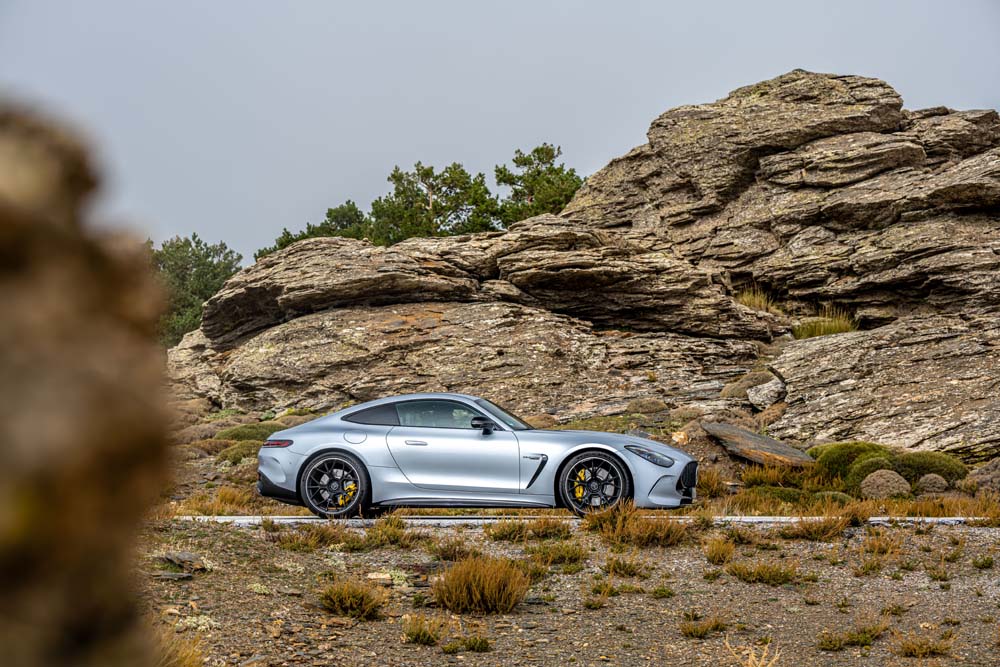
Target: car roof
408	397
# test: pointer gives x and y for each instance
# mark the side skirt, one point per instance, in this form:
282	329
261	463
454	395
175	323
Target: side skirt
443	502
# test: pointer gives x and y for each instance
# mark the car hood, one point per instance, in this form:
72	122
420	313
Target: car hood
616	440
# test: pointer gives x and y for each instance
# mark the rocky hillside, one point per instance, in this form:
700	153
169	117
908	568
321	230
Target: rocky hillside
818	190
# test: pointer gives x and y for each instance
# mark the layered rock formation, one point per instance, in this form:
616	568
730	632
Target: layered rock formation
820	189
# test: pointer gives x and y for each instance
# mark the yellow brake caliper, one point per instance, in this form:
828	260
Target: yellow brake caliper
578	488
348	493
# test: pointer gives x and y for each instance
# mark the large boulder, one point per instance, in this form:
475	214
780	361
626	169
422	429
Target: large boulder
920	382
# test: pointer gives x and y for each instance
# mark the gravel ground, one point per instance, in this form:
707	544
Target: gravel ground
257	604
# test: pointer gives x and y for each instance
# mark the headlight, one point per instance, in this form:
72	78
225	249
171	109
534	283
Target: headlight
651	456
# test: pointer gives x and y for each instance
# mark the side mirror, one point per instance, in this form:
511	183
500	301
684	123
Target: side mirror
483	423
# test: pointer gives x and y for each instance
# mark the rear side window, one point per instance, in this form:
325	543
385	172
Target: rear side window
380	415
435	414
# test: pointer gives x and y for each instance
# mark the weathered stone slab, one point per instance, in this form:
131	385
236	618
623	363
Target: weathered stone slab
755	447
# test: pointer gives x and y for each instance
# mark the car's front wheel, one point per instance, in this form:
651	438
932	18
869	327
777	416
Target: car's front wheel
592	481
335	485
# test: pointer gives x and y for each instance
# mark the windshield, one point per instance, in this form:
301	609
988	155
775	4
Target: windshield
509	420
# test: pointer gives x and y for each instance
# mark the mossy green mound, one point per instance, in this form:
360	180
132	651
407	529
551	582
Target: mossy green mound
835	460
258	431
245	449
914	465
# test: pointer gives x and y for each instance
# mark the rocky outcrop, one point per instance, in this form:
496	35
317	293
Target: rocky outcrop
548	362
82	408
820	190
922	382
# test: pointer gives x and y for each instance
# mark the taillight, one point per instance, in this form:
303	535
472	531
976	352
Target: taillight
277	443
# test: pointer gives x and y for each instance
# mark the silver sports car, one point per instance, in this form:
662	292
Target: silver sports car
454	450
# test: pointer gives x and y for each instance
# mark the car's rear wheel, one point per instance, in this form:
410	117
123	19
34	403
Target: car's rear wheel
593	481
335	485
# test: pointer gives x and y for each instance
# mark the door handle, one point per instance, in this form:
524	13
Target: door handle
416	443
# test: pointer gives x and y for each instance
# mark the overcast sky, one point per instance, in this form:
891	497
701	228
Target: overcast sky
235	118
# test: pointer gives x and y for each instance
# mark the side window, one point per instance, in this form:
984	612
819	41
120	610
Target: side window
435	414
381	415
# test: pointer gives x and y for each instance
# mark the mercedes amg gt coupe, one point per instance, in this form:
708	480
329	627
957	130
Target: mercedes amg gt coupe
454	450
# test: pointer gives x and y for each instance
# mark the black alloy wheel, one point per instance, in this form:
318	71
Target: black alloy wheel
593	481
335	485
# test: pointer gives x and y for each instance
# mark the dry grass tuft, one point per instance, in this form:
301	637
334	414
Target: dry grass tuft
623	525
507	530
757	298
353	598
749	657
422	629
830	321
453	549
695	627
718	550
232	500
558	553
820	530
710	483
174	650
481	584
546	528
863	633
311	536
881	542
757	475
622	566
764	572
391	530
920	644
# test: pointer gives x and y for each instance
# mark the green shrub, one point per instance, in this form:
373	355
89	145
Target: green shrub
258	431
914	465
244	450
835	460
837	497
785	495
863	466
816	450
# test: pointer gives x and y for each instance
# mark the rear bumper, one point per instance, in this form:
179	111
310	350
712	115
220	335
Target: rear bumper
269	489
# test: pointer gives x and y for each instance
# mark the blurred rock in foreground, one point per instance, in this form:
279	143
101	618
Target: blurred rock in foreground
81	408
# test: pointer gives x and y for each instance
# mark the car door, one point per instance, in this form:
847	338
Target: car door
436	448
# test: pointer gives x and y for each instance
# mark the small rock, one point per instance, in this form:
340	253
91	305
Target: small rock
765	395
173	576
380	578
186	560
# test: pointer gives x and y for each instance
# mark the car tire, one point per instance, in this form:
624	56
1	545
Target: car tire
327	493
570	482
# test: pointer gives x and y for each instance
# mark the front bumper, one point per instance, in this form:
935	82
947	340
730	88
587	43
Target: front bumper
673	489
